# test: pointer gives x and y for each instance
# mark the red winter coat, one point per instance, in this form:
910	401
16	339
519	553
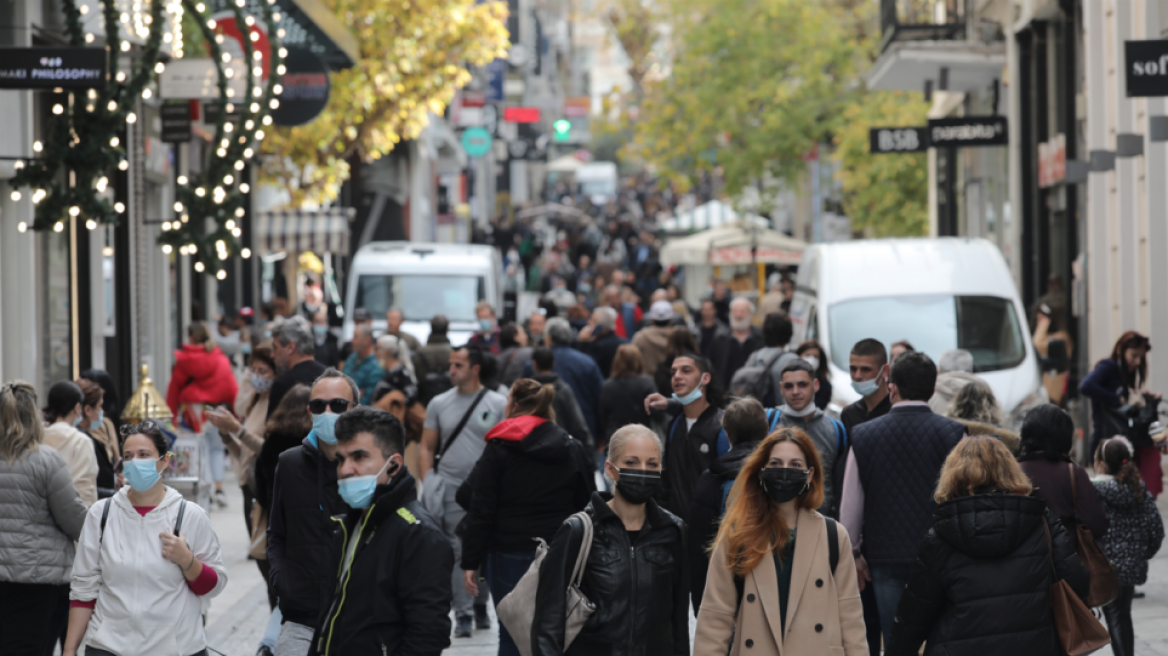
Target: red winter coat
200	376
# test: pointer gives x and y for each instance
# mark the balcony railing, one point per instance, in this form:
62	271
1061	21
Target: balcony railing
921	20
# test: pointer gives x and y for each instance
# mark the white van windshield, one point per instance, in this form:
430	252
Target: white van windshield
420	297
986	326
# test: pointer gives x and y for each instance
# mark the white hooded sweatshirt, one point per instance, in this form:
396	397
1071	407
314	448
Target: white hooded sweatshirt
144	605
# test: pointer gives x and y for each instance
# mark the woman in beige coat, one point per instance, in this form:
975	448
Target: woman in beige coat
770	588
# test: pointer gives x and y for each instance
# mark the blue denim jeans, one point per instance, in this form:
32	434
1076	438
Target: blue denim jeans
503	571
888	583
272	633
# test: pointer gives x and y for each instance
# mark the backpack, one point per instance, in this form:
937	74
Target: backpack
757	380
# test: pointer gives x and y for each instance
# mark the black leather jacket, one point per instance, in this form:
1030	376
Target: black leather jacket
641	590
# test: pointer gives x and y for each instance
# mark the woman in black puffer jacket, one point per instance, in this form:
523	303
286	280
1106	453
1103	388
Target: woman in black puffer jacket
982	580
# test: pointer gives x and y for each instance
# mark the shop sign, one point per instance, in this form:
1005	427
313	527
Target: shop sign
199	78
898	140
1052	161
476	142
176	121
521	114
1146	67
577	106
49	68
729	255
968	131
496	74
211	112
306	88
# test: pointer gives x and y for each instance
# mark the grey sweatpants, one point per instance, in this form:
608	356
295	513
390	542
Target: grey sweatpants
452	514
295	640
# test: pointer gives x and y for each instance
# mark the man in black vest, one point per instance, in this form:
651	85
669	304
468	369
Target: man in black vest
891	475
300	525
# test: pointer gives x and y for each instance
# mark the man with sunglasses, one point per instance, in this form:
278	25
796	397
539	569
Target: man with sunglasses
798	385
300	525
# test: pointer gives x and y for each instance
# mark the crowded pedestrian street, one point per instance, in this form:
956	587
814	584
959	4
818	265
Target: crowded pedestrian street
583	327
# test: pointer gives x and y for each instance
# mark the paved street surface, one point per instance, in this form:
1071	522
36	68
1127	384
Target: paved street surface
238	617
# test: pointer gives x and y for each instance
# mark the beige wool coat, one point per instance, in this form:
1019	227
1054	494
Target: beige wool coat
824	616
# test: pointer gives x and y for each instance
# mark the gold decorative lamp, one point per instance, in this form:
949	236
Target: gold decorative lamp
146	403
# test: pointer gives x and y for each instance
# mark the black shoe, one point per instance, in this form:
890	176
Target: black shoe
264	651
1138	594
482	620
463	627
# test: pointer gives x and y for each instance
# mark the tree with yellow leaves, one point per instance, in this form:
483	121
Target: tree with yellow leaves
414	54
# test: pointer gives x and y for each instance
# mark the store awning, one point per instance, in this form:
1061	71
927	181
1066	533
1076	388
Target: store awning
312	25
907	65
318	231
736	243
709	215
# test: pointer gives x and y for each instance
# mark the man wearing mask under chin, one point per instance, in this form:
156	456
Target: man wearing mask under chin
695	437
487	336
392	556
304	499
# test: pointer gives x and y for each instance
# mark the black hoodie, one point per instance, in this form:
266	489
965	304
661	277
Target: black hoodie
705	514
530	478
981	584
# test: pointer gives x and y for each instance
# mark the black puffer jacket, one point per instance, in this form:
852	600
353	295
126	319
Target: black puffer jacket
705	514
982	581
641	590
531	476
395	598
1136	530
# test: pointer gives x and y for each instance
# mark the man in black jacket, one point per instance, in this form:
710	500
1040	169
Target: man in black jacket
391	591
567	408
745	424
304	500
713	338
694	437
599	339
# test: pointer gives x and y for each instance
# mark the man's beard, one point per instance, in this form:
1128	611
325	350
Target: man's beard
737	324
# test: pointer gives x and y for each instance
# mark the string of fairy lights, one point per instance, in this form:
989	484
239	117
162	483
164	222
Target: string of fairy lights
69	175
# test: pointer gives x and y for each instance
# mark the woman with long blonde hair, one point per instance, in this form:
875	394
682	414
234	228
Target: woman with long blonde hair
772	586
981	583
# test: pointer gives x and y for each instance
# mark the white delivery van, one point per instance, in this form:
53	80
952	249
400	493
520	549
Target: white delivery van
424	280
599	181
939	294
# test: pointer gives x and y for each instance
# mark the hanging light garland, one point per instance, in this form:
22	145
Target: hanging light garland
82	138
211	204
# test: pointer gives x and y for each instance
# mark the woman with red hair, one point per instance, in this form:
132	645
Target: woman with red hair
771	580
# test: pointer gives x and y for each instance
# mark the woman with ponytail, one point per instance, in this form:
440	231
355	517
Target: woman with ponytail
1134	537
530	478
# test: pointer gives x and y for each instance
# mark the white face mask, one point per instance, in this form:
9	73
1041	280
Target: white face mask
812	360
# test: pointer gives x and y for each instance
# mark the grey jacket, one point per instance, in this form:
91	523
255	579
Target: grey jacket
41	517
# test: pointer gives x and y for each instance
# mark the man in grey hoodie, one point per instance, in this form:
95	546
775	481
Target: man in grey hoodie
798	386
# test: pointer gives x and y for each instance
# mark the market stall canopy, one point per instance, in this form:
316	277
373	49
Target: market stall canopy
565	164
318	231
312	25
732	244
552	210
711	215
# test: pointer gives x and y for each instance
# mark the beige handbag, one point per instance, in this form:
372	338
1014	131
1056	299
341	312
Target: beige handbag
517	610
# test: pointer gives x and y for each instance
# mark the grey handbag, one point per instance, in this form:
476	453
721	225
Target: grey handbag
517	610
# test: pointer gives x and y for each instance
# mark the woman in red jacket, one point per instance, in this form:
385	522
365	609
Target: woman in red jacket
202	375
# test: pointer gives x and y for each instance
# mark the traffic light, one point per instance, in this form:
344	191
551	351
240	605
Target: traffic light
563	129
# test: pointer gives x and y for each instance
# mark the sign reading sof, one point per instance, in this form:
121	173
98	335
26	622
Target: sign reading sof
1146	64
41	68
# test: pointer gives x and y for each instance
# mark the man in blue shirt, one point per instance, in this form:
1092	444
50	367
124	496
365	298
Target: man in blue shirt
361	365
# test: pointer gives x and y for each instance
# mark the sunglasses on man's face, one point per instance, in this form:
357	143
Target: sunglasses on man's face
338	406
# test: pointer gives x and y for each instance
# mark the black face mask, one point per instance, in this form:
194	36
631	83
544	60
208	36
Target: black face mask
637	486
784	483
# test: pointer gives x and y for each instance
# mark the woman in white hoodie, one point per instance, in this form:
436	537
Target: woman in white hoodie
144	559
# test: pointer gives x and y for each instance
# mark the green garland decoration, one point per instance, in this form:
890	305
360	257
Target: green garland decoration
210	204
82	140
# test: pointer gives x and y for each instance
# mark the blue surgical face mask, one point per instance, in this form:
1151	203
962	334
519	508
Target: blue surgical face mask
866	388
141	474
320	330
689	398
245	348
357	491
322	426
96	424
486	324
77	421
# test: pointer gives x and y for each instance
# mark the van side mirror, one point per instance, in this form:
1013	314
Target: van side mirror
1057	359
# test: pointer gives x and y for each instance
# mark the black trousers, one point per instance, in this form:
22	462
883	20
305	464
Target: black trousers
1119	622
90	651
871	619
31	618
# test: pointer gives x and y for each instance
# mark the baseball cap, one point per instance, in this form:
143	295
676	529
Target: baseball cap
661	311
362	314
